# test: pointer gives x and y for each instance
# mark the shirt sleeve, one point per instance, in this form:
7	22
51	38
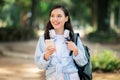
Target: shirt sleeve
39	54
80	59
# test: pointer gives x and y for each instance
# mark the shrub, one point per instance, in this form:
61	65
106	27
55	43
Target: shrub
104	37
106	62
16	34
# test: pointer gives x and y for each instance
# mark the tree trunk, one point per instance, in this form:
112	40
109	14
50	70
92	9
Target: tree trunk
119	18
33	12
112	17
94	13
103	21
118	21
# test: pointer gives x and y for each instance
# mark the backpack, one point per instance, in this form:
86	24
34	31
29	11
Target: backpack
85	72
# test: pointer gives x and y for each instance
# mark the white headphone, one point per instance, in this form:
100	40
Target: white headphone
52	33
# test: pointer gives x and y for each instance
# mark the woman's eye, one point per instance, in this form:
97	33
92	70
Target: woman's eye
59	15
52	16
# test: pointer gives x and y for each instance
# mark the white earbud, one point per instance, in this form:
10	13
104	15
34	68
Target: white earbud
52	33
66	33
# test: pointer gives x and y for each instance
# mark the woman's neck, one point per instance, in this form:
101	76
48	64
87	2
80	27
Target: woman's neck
61	32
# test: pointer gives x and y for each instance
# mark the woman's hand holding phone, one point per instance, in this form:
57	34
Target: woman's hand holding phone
50	48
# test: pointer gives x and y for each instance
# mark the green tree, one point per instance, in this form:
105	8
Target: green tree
2	2
10	13
33	12
114	13
103	18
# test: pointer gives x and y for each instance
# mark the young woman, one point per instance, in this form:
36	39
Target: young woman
56	60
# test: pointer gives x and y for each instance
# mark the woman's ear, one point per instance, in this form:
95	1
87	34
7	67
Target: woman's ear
66	19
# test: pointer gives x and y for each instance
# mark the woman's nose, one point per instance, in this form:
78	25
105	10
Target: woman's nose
55	18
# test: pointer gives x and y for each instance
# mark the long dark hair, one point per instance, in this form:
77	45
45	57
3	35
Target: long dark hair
66	26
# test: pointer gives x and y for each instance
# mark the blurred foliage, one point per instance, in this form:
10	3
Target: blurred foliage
16	34
10	14
19	13
106	61
80	10
2	3
104	37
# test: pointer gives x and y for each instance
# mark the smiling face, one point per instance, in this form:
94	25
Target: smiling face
58	19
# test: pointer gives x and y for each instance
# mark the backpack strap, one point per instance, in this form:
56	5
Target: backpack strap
76	35
82	74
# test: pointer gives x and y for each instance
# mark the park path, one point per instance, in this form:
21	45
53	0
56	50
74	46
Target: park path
17	61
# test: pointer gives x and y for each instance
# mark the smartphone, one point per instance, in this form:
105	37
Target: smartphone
49	42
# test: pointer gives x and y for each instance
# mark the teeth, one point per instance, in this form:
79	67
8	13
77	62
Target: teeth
55	23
